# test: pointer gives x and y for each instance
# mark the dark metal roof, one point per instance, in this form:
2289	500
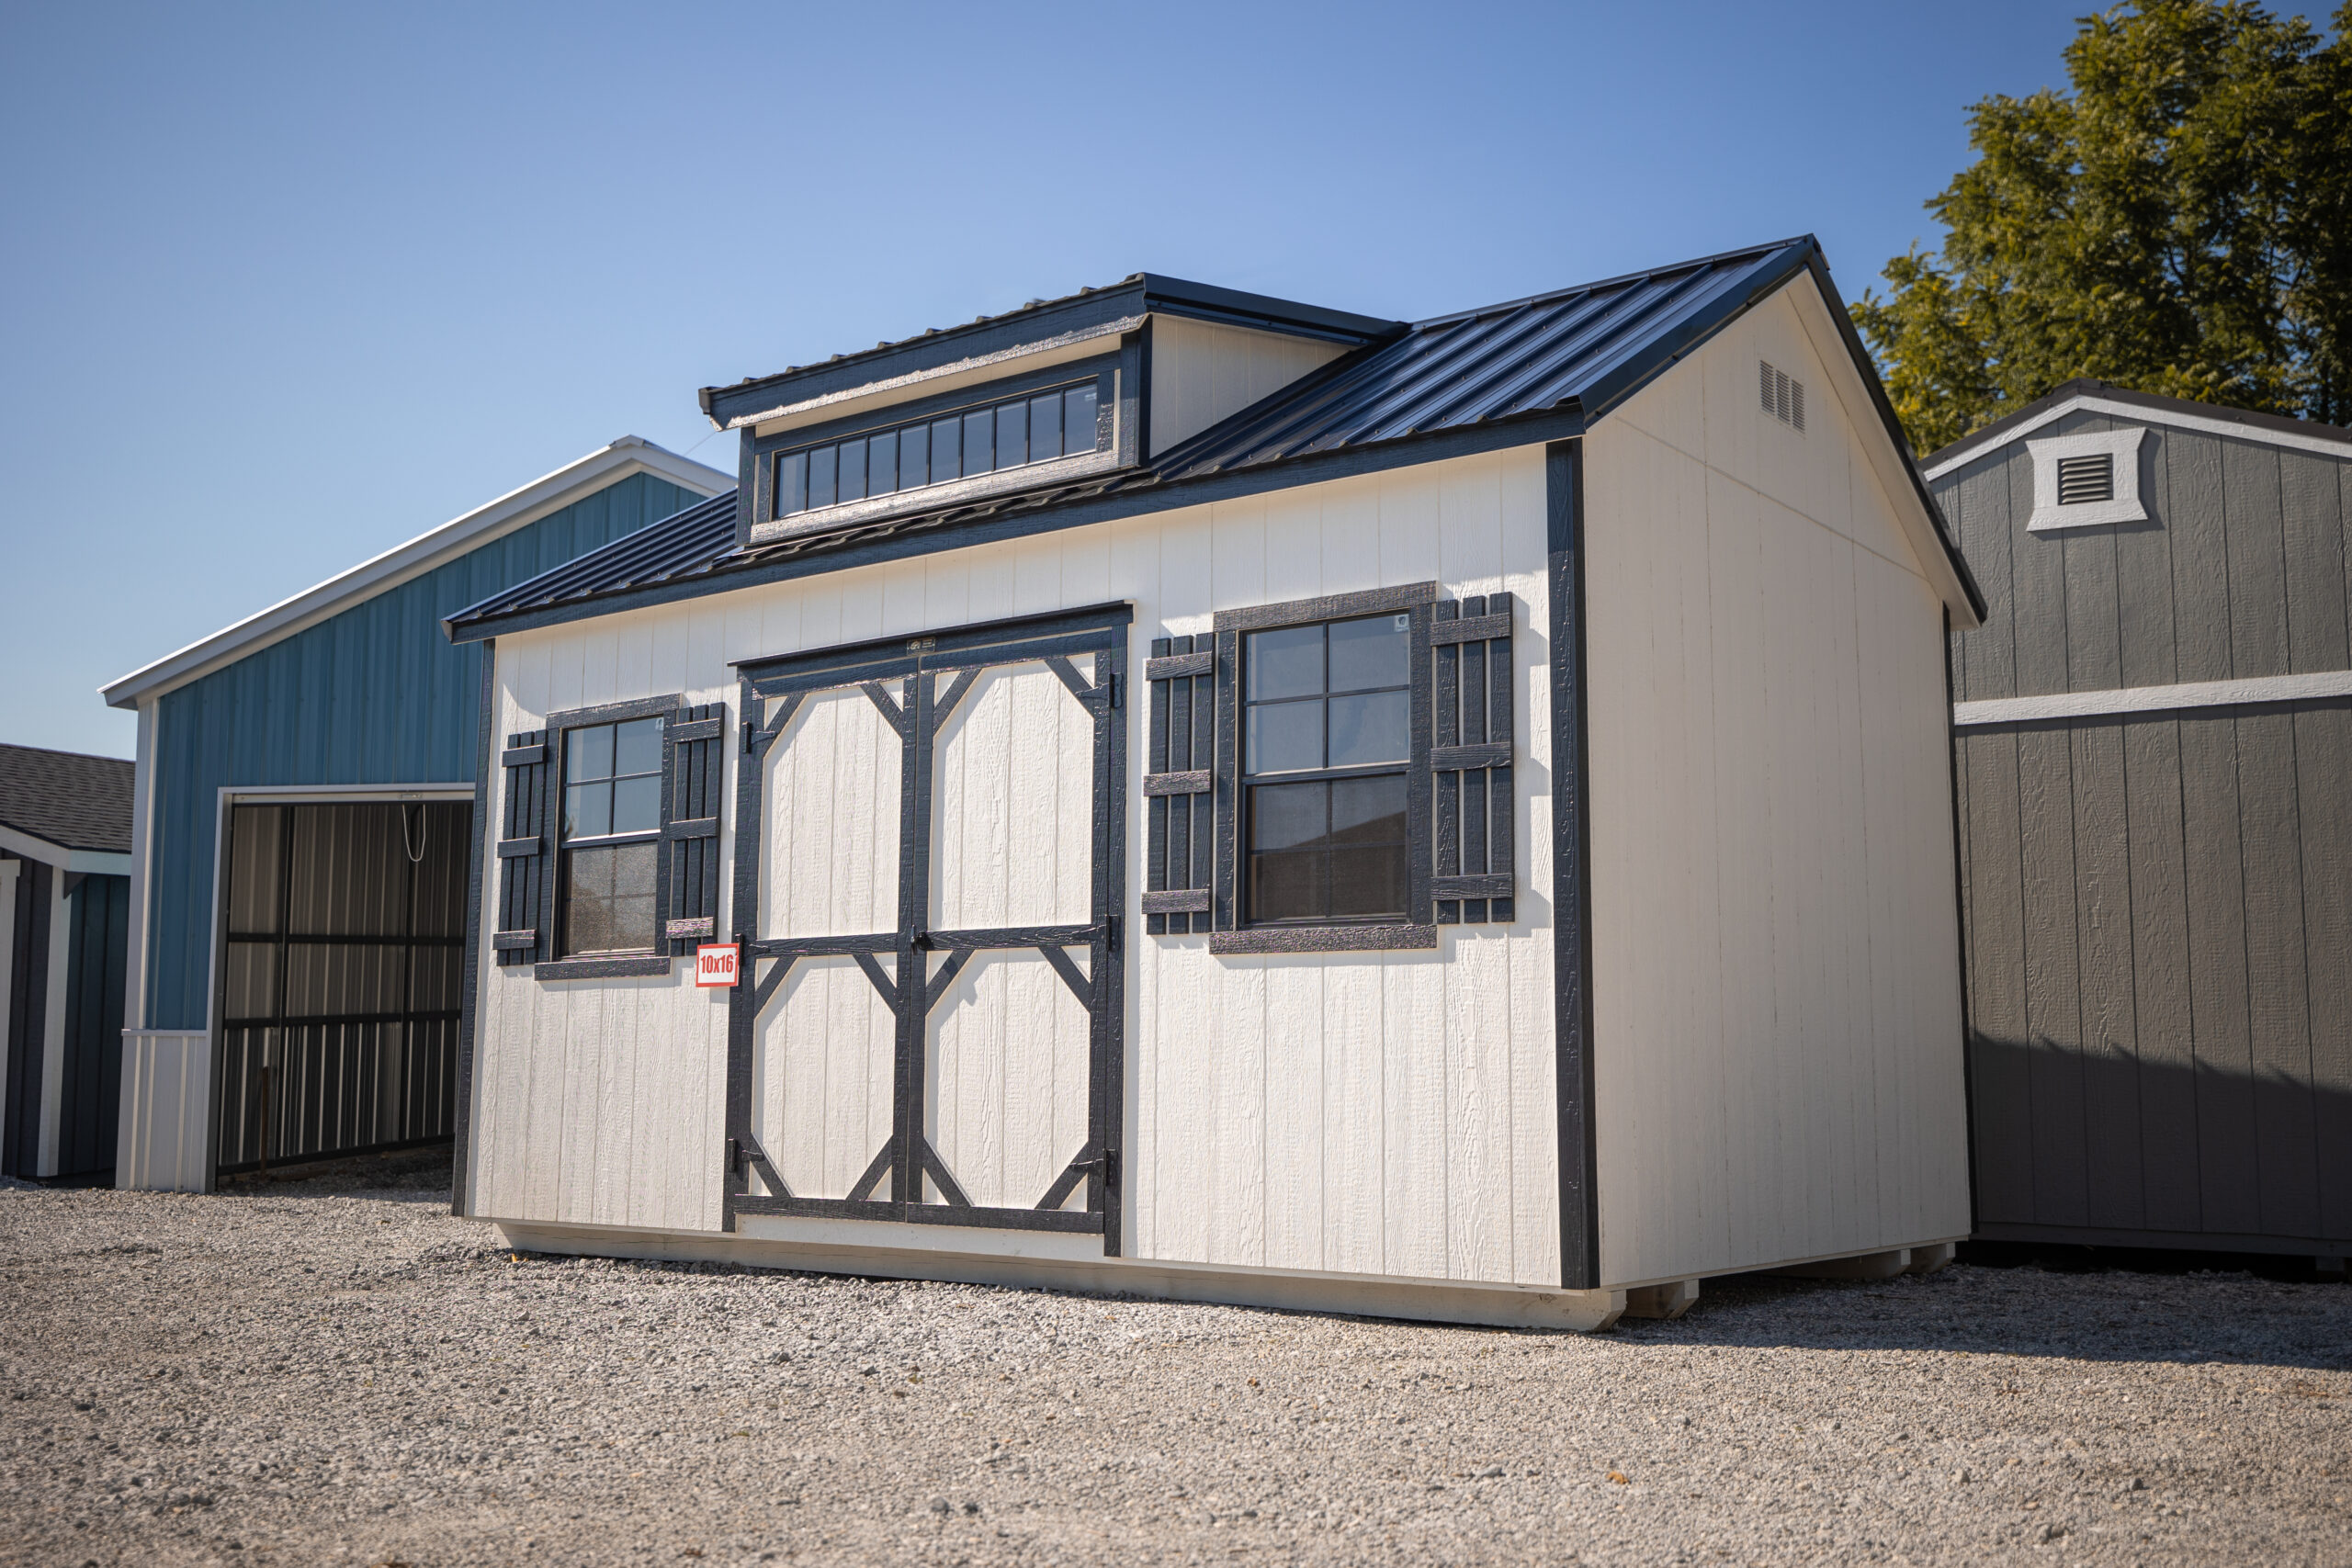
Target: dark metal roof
66	798
1574	354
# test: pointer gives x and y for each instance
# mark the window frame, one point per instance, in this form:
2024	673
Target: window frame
1103	370
554	869
1234	931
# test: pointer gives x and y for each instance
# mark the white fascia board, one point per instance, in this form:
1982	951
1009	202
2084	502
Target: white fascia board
1043	353
97	863
550	492
1891	464
2246	692
2139	414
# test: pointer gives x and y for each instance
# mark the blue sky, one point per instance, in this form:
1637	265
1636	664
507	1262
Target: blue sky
280	287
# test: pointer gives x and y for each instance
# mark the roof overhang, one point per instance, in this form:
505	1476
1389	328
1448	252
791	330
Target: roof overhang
2086	396
517	508
895	369
66	857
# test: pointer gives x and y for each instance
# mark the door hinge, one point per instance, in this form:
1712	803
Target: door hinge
1110	686
1106	1164
1111	933
750	730
734	1156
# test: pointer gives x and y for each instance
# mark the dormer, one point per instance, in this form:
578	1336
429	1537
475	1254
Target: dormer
1058	392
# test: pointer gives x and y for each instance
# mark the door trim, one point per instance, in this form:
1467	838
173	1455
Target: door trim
932	674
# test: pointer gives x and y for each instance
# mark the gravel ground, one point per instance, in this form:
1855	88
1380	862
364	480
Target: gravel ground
334	1370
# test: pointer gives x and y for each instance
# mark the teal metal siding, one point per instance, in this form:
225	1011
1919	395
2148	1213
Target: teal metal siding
374	694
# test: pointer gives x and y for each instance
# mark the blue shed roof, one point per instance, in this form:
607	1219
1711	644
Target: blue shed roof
1576	353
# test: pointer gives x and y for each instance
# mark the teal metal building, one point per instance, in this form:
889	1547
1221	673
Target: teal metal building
300	821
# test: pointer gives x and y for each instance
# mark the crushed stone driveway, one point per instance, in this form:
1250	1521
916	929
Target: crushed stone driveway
334	1370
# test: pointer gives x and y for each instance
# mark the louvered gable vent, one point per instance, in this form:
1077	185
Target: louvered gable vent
1781	395
2082	480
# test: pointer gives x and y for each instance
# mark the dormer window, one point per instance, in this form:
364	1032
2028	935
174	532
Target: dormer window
990	437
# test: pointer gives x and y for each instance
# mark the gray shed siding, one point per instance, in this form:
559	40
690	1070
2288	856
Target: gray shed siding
2157	908
374	694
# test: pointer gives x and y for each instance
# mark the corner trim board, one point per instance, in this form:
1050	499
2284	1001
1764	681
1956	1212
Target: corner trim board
1571	857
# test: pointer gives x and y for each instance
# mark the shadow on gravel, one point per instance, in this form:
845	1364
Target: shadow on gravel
404	1175
2109	1314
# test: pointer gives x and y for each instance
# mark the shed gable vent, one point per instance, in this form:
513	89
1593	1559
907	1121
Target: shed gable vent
2082	480
1781	395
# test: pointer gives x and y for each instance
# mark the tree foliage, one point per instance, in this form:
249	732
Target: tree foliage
2179	222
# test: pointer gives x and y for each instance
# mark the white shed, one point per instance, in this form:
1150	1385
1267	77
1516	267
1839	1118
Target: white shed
1223	799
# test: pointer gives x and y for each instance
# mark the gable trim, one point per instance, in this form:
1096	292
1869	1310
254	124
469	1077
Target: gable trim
607	466
2145	409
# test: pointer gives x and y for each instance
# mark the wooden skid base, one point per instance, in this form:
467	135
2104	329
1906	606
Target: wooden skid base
1922	1259
1042	1261
1670	1299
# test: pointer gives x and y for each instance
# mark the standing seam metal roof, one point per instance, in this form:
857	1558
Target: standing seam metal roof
1586	348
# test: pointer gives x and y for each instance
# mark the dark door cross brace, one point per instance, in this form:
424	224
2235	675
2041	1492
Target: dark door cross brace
917	686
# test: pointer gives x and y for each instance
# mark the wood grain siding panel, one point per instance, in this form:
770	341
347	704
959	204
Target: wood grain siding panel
2143	569
2227	1170
1776	992
2164	1056
1342	1111
2277	984
2311	527
1201	371
2201	558
2323	783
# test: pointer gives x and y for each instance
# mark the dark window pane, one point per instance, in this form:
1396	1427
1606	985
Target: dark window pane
587	810
1368	881
1286	663
1370	729
637	745
588	901
820	476
980	442
852	477
1012	435
635	868
588	753
882	463
636	804
1375	651
914	457
1288	817
1365	811
1288	886
1044	427
1078	420
946	450
1284	737
791	483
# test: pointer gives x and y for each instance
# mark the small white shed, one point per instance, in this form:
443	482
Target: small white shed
1226	799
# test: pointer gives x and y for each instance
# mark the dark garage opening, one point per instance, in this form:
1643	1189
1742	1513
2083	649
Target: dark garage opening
341	979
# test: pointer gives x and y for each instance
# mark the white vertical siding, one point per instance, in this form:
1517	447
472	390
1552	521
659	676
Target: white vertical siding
1201	372
1375	1113
1776	989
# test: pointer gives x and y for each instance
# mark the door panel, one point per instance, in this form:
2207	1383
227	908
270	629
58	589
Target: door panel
1015	804
830	863
824	1059
939	819
1008	1078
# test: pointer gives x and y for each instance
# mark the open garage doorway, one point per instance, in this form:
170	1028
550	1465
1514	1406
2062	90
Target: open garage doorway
340	979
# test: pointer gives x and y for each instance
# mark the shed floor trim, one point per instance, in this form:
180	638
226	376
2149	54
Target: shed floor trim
1509	1306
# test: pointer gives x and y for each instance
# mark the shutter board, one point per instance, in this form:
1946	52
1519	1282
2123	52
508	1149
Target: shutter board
521	934
1470	758
697	738
1179	784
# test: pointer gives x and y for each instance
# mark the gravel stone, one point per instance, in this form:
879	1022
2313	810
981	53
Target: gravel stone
332	1370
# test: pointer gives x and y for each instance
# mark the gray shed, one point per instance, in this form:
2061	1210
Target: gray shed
2153	757
64	909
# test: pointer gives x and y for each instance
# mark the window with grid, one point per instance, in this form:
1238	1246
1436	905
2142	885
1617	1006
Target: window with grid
1011	432
611	837
1326	744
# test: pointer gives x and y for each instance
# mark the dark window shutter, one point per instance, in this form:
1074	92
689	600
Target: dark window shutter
1470	756
690	828
522	935
1178	786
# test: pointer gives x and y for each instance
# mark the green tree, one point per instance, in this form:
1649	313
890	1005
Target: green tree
2179	222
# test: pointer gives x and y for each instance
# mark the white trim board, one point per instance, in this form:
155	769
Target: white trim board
2090	402
97	863
2243	693
607	465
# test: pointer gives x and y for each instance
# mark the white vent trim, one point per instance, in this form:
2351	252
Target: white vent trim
1781	395
2121	447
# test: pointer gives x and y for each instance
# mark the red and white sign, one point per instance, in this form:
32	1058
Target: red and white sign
715	963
